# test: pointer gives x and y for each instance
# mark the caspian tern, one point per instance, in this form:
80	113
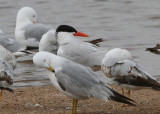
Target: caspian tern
63	42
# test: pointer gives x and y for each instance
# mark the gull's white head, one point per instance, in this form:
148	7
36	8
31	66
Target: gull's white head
47	60
115	55
41	59
26	15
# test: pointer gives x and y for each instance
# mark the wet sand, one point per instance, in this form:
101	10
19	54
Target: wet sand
47	100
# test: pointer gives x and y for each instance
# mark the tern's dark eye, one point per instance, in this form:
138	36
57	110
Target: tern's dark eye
44	60
34	16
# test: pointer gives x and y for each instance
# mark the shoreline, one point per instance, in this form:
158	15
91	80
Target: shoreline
45	99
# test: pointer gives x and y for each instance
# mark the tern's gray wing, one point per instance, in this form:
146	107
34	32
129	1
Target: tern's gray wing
11	44
129	72
35	31
83	53
6	75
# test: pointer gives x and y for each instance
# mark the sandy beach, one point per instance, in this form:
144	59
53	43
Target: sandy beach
47	100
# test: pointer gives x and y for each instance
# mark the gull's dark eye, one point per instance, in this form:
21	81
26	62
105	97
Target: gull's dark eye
34	16
44	60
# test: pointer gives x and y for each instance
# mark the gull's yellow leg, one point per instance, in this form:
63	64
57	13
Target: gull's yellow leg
73	103
129	93
122	91
74	106
0	95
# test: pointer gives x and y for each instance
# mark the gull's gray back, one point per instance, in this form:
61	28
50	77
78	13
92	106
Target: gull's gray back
81	81
35	31
10	43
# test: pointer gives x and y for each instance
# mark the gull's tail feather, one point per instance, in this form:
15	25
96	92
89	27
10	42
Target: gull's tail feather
155	85
27	52
120	98
8	89
31	48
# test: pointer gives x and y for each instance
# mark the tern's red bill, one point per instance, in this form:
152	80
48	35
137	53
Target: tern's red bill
80	34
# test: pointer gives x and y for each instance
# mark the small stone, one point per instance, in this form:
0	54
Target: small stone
67	108
38	105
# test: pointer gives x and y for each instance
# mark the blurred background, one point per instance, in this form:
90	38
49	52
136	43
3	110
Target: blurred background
129	24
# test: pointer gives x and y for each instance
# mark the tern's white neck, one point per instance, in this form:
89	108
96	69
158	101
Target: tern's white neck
64	37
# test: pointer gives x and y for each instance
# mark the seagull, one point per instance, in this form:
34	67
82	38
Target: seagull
8	56
63	42
7	64
12	45
125	72
75	80
155	50
27	31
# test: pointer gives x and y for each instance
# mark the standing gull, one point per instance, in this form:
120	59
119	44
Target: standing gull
119	65
63	42
7	64
27	31
76	80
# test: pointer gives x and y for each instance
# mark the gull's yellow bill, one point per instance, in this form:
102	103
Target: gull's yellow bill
51	69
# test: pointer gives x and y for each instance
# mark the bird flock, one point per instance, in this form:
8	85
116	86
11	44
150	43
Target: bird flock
71	63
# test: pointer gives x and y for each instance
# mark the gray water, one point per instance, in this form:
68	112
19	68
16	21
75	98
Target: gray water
130	24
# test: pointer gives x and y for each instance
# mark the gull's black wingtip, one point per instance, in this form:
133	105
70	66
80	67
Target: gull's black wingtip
8	89
120	98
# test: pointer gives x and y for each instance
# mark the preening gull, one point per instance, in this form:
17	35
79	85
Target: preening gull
127	73
7	64
27	31
63	42
75	80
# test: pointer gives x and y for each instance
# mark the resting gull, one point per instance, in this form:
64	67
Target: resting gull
127	73
75	80
7	64
12	45
27	31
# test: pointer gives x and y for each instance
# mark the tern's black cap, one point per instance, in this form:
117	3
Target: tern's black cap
66	28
